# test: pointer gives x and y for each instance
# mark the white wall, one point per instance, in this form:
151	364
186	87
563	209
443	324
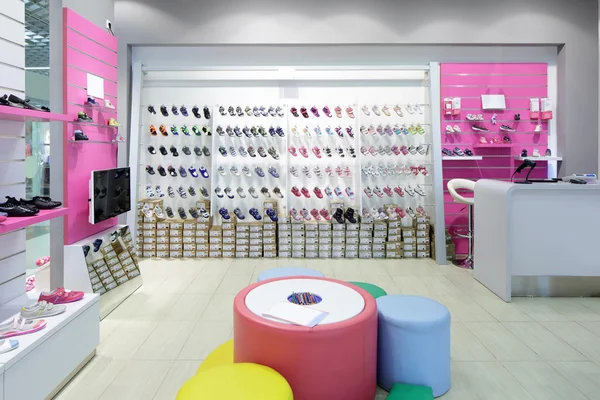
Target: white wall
555	22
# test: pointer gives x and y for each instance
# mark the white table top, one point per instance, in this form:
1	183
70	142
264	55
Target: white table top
341	302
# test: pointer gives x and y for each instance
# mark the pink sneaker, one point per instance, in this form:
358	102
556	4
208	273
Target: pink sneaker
30	283
404	150
396	150
364	150
315	214
399	192
61	296
423	169
373	151
328	171
325	214
387	190
302	150
294	214
292	151
400	212
316	151
350	193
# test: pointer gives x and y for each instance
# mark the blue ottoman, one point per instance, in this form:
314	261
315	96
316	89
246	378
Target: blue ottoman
413	343
288	271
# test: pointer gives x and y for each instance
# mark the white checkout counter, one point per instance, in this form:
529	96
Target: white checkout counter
537	230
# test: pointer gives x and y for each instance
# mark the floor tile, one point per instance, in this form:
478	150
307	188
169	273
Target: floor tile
501	310
500	342
465	309
546	344
139	379
189	307
204	283
179	373
466	347
205	337
107	326
220	308
126	339
592	327
232	284
539	308
584	341
575	309
585	376
93	379
166	341
543	382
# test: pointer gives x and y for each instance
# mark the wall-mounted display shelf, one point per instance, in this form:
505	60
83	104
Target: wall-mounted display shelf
539	158
493	145
96	141
8	113
465	158
14	223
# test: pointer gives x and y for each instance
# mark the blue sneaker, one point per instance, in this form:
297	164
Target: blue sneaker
237	131
280	131
259	172
184	111
272	131
254	212
174	110
203	172
174	130
224	213
219	194
182	172
246	131
238	213
273	172
193	172
272	214
185	130
92	101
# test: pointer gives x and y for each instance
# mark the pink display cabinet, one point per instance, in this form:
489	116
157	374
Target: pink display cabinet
518	83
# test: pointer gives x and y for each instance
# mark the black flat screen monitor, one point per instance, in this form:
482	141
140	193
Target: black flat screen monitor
110	194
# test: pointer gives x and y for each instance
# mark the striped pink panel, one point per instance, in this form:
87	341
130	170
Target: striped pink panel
518	83
87	49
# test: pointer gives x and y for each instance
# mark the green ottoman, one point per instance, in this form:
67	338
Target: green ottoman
373	290
401	391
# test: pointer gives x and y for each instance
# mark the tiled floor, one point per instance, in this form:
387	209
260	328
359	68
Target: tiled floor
533	348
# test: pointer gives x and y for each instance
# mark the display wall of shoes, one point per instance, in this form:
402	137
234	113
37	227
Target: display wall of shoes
176	157
249	146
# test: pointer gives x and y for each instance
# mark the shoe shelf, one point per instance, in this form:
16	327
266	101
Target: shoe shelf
541	158
92	124
492	145
14	223
465	158
23	114
96	141
29	342
99	108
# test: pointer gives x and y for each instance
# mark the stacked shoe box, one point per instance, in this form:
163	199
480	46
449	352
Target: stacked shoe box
284	238
162	239
298	240
325	240
188	239
202	238
269	238
393	246
176	239
255	249
311	239
148	236
380	232
215	242
242	238
409	242
352	238
365	239
229	236
422	237
338	240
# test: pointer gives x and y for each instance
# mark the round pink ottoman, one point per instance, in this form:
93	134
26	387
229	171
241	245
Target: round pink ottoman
335	360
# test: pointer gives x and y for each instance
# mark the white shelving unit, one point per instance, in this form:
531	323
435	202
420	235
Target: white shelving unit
544	158
465	158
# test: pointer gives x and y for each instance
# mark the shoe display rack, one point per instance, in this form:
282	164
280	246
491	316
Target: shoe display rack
480	143
357	149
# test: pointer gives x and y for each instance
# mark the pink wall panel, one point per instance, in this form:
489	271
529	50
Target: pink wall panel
518	82
86	49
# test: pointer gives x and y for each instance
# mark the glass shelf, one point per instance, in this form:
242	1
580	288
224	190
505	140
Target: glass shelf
99	108
83	123
96	141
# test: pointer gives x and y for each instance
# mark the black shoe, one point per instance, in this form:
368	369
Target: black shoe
17	102
150	170
206	151
161	170
42	203
206	112
13	208
447	152
339	215
163	150
469	153
193	212
181	212
186	150
173	151
151	149
172	171
79	135
97	243
196	112
163	111
198	151
524	153
44	108
169	212
349	214
4	101
151	110
517	117
86	250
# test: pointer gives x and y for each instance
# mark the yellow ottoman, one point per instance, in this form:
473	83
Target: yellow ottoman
242	381
222	355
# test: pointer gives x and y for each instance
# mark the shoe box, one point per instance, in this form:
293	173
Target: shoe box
248	239
422	237
269	238
298	235
215	241
325	239
353	242
203	239
284	239
338	240
393	244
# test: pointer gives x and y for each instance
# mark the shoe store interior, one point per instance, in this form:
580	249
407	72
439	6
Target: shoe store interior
196	197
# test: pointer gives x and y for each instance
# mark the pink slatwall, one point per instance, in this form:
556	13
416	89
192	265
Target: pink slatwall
518	82
87	49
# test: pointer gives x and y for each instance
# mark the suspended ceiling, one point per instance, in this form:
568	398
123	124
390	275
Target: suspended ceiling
37	36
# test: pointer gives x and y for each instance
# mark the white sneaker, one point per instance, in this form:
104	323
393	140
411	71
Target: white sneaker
149	191
449	129
419	190
418	109
147	211
158	212
538	128
535	153
456	129
159	191
410	191
42	309
222	170
108	104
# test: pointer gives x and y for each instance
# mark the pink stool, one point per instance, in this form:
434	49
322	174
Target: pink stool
335	360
